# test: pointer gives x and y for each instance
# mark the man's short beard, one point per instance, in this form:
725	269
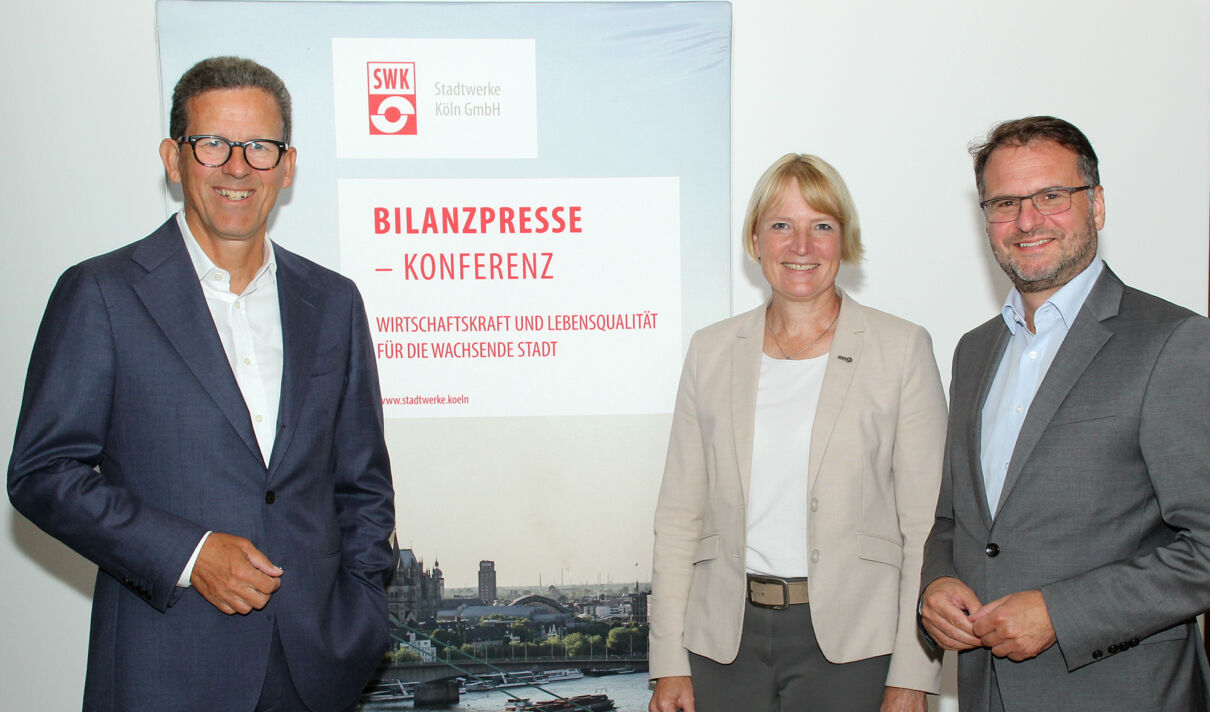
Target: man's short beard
1064	271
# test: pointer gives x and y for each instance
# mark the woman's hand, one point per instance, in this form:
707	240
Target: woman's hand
901	699
674	694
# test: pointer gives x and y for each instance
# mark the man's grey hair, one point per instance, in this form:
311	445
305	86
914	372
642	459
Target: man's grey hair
226	73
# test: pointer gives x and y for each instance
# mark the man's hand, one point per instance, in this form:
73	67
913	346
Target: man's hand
947	603
1016	627
901	699
672	694
233	575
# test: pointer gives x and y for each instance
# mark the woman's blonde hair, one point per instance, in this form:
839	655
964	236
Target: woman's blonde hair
822	188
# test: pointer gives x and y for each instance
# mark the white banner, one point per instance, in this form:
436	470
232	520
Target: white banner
518	297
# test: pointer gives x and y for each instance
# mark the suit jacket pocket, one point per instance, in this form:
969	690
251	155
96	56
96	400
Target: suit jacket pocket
707	548
1084	412
874	548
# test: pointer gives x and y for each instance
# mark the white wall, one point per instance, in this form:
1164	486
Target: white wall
890	93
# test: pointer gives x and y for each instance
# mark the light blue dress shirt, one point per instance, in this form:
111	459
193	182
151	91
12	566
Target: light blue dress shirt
1021	370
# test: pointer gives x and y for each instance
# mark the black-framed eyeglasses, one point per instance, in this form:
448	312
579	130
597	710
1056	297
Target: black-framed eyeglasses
1048	202
211	151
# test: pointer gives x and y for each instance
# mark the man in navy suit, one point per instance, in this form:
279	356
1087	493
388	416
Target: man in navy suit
202	420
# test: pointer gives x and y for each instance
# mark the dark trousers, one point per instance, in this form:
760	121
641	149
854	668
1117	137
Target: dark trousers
278	693
780	668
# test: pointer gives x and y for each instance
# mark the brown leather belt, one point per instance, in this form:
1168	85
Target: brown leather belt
776	593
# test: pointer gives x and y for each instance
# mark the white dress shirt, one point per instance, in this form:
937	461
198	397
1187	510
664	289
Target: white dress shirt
1021	370
249	327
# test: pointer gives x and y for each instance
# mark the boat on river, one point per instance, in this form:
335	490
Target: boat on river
388	691
488	681
576	703
601	672
561	674
485	682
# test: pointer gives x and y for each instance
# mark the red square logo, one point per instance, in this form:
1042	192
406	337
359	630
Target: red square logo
392	92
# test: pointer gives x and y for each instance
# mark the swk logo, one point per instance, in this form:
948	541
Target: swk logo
392	90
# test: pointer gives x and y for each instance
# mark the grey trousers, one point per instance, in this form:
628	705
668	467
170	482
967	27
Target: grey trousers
780	668
994	703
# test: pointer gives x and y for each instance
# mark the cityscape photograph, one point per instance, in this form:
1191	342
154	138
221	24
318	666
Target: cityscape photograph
542	648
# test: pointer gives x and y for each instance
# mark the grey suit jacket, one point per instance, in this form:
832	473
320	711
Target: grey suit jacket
1106	509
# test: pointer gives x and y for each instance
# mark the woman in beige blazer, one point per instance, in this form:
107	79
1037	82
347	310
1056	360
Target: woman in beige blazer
802	474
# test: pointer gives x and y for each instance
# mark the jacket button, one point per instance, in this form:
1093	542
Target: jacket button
270	497
1114	649
815	556
992	550
1096	654
814	505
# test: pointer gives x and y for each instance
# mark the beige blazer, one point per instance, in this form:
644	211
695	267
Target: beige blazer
874	472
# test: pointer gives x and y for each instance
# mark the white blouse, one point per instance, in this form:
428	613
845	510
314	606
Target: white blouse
786	398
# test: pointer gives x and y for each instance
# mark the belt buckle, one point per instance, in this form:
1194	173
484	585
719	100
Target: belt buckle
785	592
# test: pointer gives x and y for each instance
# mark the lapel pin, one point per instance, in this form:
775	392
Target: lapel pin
846	359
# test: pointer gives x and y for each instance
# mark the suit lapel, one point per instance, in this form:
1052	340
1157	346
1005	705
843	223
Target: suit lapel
745	376
300	324
843	359
1084	340
996	345
173	297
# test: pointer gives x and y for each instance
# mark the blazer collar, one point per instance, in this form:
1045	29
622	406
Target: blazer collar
999	338
843	360
745	376
844	356
1084	341
300	302
173	297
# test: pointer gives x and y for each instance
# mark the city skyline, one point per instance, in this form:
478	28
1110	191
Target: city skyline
464	578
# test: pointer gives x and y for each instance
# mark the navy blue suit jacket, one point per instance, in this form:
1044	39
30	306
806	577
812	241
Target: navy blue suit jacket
134	440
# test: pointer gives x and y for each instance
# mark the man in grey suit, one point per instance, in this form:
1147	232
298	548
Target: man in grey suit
1071	548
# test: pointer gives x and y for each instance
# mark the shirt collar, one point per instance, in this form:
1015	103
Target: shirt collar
203	265
1067	301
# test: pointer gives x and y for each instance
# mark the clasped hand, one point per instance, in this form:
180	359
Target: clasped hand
1017	626
233	575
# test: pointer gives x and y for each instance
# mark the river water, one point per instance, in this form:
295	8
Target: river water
628	691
